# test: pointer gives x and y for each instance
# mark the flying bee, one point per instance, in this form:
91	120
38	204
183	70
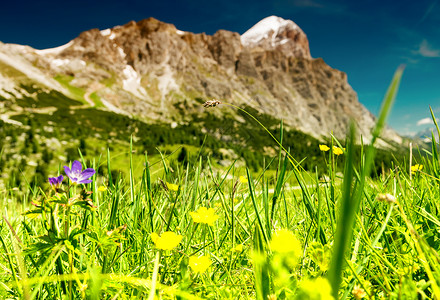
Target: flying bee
211	103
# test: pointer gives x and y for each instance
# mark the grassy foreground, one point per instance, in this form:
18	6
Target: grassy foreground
199	234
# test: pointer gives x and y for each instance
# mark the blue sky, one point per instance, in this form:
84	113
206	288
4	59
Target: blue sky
366	39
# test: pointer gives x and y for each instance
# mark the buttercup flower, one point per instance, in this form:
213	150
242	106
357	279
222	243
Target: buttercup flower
337	150
416	168
324	148
315	289
284	241
238	248
242	179
204	215
102	188
199	264
172	187
167	241
55	182
76	175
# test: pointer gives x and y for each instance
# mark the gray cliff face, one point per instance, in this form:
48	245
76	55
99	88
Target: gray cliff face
148	67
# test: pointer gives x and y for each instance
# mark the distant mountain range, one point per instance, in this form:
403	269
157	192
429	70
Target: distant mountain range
151	71
426	135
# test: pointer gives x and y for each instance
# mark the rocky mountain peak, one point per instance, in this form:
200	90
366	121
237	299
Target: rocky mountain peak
277	33
154	71
150	25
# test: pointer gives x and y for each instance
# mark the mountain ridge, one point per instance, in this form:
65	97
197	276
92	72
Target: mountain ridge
152	70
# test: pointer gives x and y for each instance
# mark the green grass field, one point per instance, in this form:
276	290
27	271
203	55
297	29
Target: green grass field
193	231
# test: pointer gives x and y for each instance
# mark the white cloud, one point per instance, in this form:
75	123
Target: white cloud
425	121
425	50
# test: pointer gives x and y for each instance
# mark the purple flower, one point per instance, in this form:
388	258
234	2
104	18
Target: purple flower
55	182
76	175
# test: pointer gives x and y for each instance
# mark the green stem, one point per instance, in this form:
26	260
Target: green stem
172	210
154	278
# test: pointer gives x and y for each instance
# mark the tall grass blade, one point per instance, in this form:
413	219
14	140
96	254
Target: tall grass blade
344	229
148	191
135	208
435	154
351	200
110	181
196	185
254	203
279	185
387	104
434	120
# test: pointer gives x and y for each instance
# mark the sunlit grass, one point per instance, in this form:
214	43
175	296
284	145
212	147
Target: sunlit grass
194	231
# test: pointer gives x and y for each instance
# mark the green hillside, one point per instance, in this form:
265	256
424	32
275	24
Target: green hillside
54	127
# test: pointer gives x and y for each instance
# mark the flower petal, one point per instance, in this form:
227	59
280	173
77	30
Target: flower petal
87	173
76	166
154	237
67	171
60	179
85	181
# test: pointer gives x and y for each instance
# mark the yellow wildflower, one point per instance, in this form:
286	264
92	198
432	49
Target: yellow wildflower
238	248
324	148
204	215
102	188
284	241
199	264
218	204
242	179
337	150
172	186
416	168
316	289
358	292
167	241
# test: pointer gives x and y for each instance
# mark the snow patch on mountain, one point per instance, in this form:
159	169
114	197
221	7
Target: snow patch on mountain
267	28
132	82
121	52
55	50
108	32
59	62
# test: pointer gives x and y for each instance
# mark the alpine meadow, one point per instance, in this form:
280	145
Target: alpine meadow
146	162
